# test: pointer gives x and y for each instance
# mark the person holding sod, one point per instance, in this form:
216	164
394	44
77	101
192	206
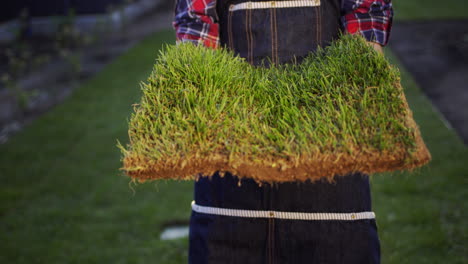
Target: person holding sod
237	221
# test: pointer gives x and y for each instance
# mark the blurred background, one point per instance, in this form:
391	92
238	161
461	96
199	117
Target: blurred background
69	73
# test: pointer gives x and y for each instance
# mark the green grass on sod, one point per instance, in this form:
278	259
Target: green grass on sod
63	200
341	110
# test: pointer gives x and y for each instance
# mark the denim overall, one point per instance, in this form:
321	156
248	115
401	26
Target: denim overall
266	33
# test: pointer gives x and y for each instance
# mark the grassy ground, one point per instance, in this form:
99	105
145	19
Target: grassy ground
430	9
420	214
63	200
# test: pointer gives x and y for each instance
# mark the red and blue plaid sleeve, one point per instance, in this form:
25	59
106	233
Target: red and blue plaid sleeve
370	18
196	21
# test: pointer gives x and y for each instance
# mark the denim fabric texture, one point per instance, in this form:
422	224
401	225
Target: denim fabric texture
226	239
278	35
263	37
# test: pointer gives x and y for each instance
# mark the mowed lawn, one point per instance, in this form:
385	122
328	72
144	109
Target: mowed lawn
64	200
430	9
421	214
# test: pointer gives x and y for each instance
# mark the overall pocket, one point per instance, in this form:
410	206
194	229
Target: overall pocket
274	32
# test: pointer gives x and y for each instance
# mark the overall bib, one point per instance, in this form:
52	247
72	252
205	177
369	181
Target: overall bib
266	33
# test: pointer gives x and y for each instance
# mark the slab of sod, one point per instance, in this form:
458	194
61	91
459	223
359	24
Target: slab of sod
339	111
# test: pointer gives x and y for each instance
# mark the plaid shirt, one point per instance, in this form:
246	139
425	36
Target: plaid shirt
196	20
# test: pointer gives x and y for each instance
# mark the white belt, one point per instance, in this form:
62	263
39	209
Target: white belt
282	215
